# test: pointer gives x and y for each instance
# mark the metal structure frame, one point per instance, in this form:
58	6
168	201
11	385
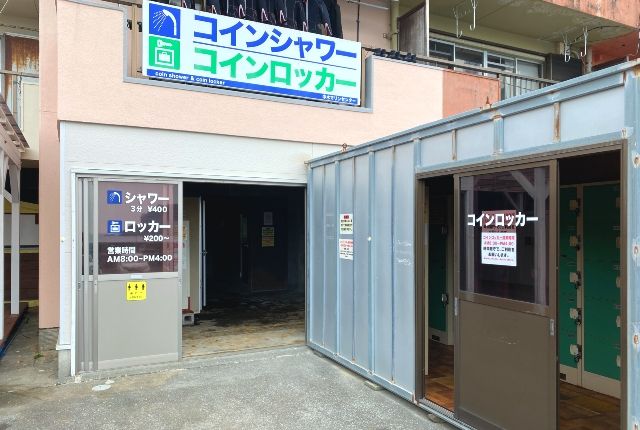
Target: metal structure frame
594	113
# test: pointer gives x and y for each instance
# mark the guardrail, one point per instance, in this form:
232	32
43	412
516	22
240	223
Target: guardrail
511	84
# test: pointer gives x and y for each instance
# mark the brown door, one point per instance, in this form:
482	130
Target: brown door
505	352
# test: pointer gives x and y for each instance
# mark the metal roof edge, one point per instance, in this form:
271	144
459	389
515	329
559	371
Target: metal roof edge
478	115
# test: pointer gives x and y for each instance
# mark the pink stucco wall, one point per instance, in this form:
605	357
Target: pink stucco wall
463	92
49	180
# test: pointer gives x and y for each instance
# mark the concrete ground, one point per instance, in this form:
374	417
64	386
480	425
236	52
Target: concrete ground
24	366
290	388
237	323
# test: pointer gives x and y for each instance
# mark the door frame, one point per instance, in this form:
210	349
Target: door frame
450	169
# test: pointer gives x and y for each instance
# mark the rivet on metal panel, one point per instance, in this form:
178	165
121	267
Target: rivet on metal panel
636	159
636	340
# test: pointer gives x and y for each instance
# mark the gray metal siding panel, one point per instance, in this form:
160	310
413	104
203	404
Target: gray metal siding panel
382	264
436	149
345	269
632	119
403	268
528	129
330	260
476	141
593	114
361	257
316	259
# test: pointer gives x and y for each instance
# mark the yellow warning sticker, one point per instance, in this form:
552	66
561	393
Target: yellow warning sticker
136	290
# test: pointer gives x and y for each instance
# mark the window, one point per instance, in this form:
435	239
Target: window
529	68
469	56
504	234
483	58
502	63
441	50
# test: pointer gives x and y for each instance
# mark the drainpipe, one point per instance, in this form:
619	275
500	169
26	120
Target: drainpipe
427	26
395	10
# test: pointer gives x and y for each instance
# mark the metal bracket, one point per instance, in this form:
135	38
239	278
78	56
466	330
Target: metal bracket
129	24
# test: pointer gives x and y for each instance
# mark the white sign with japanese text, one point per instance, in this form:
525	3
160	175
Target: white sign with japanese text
346	223
498	240
499	248
345	248
138	227
215	50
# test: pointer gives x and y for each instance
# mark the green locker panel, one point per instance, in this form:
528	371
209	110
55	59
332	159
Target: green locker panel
437	276
567	292
601	345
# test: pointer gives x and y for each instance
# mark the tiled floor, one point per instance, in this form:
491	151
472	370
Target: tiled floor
582	409
241	323
578	408
439	382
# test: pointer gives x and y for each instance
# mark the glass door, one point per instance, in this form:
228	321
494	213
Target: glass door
505	350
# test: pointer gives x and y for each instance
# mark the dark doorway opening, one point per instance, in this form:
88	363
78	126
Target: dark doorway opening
251	256
438	261
589	292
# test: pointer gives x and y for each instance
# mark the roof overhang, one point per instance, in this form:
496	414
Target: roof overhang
535	19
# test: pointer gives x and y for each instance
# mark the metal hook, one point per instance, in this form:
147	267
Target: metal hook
585	33
566	48
474	5
457	17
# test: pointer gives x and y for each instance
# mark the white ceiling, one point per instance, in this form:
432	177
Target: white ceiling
536	19
20	8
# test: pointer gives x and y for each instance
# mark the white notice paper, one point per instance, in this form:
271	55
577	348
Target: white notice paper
346	223
499	248
345	248
498	239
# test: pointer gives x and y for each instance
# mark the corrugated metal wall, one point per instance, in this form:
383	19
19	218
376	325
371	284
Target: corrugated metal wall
362	311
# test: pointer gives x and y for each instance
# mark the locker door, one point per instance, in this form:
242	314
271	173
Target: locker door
569	308
601	348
